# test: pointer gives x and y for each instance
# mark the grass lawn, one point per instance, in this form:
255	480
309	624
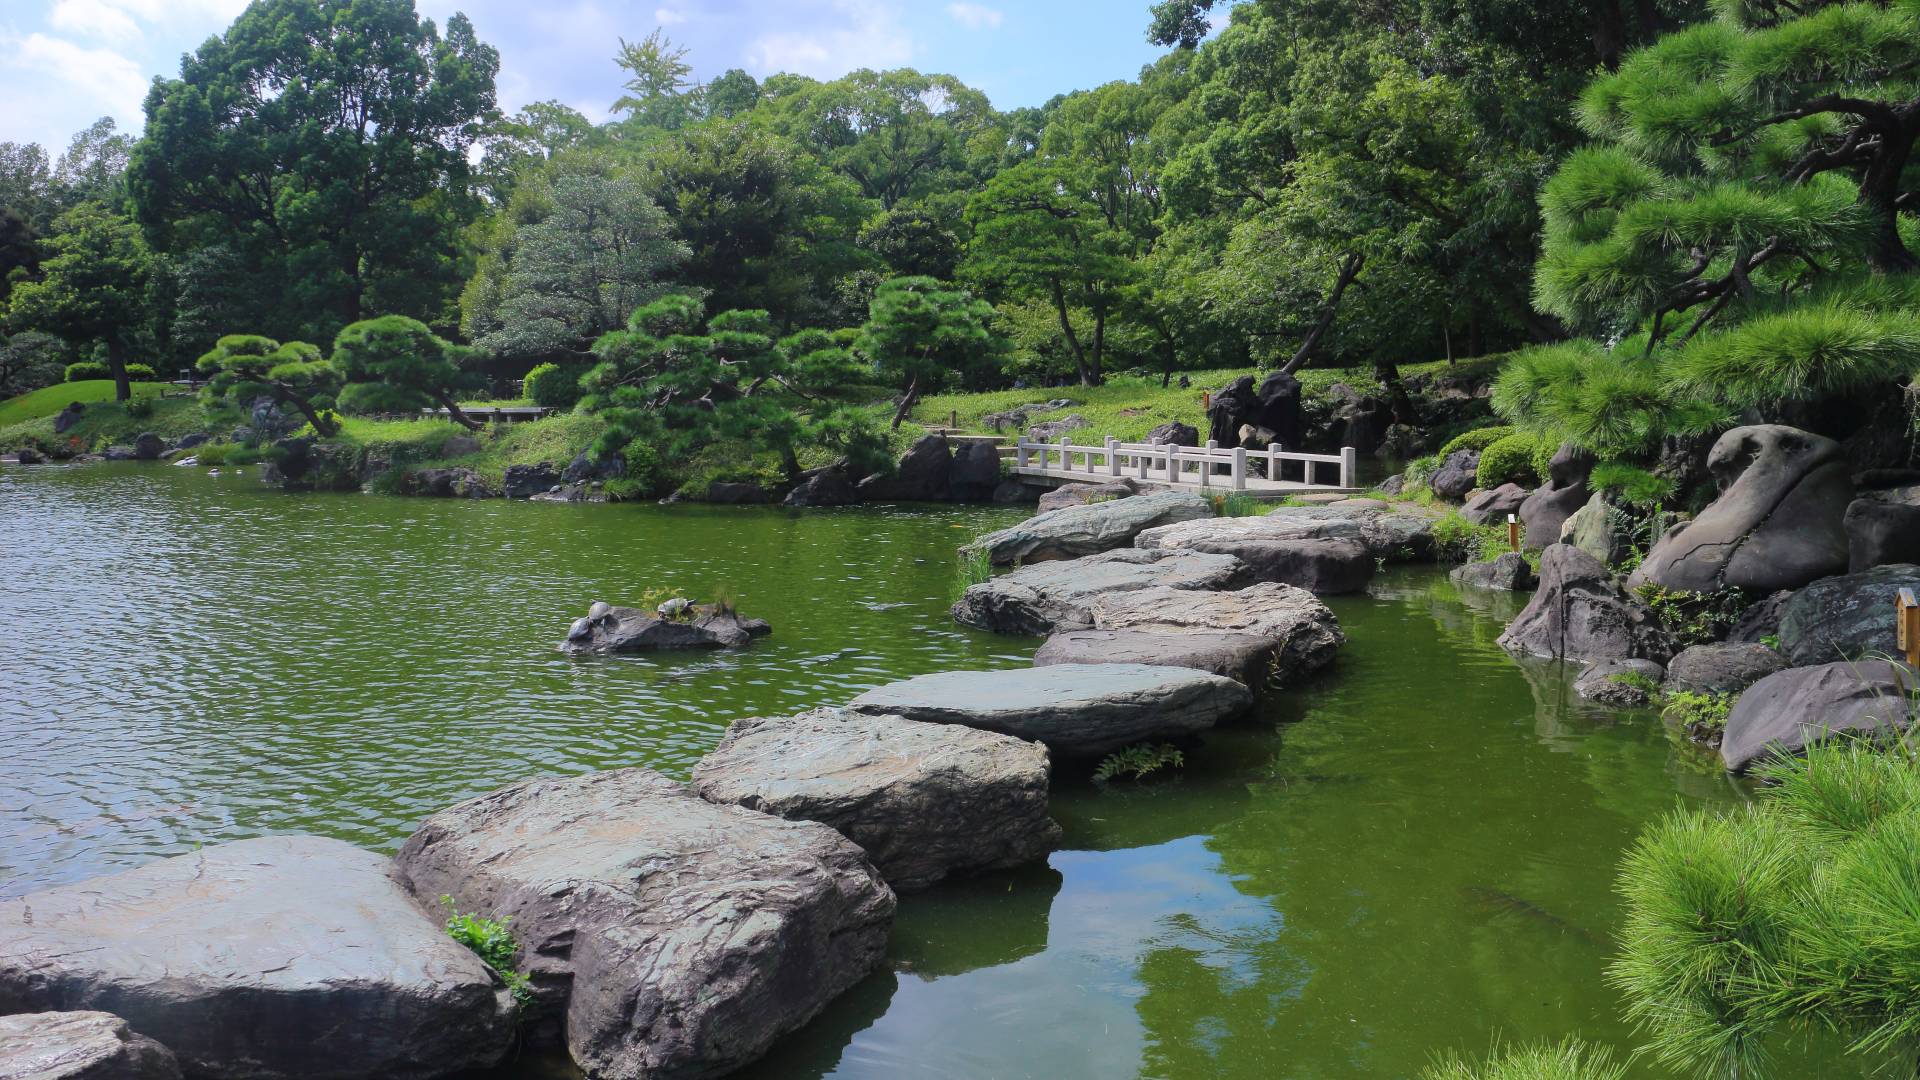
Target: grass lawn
51	399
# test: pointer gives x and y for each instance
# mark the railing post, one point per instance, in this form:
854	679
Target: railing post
1066	454
1173	463
1113	456
1145	461
1020	452
1273	462
1239	468
1349	466
1206	466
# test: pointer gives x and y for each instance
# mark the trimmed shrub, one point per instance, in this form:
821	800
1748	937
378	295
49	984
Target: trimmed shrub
1477	439
1509	460
552	386
140	373
87	370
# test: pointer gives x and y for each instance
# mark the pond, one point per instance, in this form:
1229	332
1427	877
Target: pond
1411	853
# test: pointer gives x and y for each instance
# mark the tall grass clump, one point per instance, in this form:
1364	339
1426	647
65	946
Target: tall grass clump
975	566
1568	1060
1237	504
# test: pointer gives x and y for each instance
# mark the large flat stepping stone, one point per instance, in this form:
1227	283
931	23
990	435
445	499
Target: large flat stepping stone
924	801
1247	659
1076	531
1395	532
285	956
1305	630
80	1046
1052	596
1321	556
677	937
1078	710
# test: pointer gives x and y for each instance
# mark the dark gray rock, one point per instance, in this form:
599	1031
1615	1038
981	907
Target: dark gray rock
1392	485
1401	442
80	1046
1392	532
924	801
66	418
1052	430
1075	531
1581	613
119	453
1760	620
583	469
924	474
455	483
1011	492
1788	711
1845	617
1778	523
1456	476
746	493
976	472
27	455
1591	529
1078	710
1175	433
1324	564
1248	659
1508	572
827	487
1623	684
571	493
285	956
188	442
1309	636
1881	532
148	447
1722	668
608	629
1545	512
1082	494
1048	597
677	937
1492	507
526	481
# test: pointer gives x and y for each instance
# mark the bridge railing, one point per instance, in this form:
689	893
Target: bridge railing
1172	463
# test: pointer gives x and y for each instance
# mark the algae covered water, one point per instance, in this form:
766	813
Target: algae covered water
1411	853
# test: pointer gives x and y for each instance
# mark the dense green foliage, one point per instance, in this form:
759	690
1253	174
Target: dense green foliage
397	364
1569	1060
241	367
493	943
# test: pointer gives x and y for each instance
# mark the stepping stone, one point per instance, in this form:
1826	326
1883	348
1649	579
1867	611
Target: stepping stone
1789	711
1307	634
1052	596
925	801
80	1046
1078	710
1247	659
679	938
285	956
1075	531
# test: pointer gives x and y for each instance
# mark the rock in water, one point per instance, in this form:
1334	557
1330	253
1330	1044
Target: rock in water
80	1046
924	474
1779	521
1307	633
1509	572
1325	556
1082	494
1722	669
1845	617
285	956
1091	529
632	630
1613	682
827	487
1581	613
148	446
976	471
526	481
678	937
1390	532
1248	659
1492	507
1545	512
924	801
1079	710
1790	710
1052	596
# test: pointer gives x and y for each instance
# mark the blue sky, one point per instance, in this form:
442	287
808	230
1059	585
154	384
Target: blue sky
71	61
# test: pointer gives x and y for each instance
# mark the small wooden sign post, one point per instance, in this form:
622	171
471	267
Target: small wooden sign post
1513	532
1907	626
1206	400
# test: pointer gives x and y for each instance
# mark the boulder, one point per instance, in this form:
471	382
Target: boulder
744	493
1760	620
677	937
1274	408
1078	710
1581	613
1308	634
1323	555
826	487
284	956
1492	507
924	801
1052	430
1074	531
583	468
1392	485
1456	476
1401	442
66	418
1175	433
1590	529
455	483
119	453
27	455
1082	494
1790	710
188	442
1779	521
608	629
924	474
1722	668
1508	572
1881	532
1231	408
1845	617
1248	659
1545	512
1623	684
1012	492
976	471
526	481
148	447
1049	597
1391	532
80	1046
570	493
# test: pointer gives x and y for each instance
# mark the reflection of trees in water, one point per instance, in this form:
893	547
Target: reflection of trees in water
1003	918
816	1049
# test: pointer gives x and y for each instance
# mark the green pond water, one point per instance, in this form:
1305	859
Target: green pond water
1411	853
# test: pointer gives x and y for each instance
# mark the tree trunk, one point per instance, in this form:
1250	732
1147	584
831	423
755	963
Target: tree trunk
906	402
1166	342
1097	359
453	411
1609	33
1880	191
1073	339
323	426
117	363
1349	269
1388	374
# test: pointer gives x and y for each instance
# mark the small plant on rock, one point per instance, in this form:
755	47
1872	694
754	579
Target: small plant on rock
1693	618
1702	717
1136	762
1635	680
493	943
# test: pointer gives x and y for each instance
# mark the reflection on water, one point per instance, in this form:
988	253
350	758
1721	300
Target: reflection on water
1412	852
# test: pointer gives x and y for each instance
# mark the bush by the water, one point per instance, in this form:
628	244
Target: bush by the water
85	370
1477	439
552	386
1511	459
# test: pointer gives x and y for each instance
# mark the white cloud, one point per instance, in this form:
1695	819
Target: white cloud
108	81
668	16
94	19
974	16
869	35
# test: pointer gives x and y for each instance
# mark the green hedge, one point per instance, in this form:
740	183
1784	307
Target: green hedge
552	386
1477	439
87	370
1509	460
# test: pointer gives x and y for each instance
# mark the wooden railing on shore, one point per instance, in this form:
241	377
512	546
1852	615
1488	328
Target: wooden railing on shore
1174	464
